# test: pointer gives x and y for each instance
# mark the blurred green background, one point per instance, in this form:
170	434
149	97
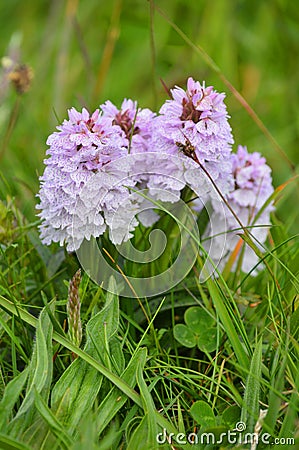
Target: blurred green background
85	52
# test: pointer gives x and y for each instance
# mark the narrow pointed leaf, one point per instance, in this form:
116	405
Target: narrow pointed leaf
115	399
149	410
39	373
53	423
250	409
10	397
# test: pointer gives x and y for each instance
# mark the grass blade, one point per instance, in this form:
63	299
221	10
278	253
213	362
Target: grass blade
250	408
8	443
228	324
149	439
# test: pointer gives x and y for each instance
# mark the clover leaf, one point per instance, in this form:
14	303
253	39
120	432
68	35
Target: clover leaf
200	330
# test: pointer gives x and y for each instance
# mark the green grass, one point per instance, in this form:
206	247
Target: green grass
131	379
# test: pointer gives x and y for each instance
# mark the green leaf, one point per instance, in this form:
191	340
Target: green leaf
53	423
75	391
207	340
231	416
115	379
117	355
8	443
291	417
55	262
43	251
250	408
232	324
40	372
277	382
149	409
180	419
106	325
115	399
203	414
184	335
4	327
87	436
138	439
213	434
10	396
81	381
295	324
197	319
